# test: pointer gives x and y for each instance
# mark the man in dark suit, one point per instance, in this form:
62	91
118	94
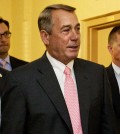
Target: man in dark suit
35	101
11	62
113	70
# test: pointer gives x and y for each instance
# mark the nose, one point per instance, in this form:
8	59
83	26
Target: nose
75	35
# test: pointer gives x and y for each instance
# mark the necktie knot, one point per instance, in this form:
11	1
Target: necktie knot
67	70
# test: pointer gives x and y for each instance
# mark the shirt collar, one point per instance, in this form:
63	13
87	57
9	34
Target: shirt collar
7	59
116	68
59	65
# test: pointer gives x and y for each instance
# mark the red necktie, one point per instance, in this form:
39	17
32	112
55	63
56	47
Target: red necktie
71	98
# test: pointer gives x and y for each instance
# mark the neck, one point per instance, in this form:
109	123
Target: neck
3	56
116	63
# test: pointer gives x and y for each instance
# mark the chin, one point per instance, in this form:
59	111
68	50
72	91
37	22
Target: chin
73	57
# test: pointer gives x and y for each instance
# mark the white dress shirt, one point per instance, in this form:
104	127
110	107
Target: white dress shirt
117	74
59	68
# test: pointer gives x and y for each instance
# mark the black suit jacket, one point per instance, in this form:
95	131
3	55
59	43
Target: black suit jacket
15	62
115	93
34	103
3	77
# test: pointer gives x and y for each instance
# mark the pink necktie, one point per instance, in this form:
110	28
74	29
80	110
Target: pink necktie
71	98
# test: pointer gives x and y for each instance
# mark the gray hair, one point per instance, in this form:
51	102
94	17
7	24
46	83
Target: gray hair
45	17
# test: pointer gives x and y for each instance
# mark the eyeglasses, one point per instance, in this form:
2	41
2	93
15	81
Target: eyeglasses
6	34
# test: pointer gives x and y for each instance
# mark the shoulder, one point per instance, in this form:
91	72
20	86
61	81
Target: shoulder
88	64
109	69
89	68
14	59
15	62
26	69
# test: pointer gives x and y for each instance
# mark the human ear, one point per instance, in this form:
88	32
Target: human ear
44	36
110	48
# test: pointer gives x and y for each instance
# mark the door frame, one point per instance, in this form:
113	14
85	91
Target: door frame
90	29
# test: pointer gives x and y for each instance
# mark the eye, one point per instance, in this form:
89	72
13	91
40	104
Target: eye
6	34
78	29
66	30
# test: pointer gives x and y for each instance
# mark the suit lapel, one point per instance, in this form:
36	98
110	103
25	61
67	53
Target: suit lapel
113	79
48	81
114	88
13	62
83	86
3	75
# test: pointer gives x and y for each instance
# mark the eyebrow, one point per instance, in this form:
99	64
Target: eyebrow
5	32
64	26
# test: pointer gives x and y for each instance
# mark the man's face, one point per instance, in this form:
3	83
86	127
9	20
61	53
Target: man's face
64	40
4	42
114	49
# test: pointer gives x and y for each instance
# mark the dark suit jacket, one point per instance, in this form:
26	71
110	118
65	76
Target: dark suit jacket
34	103
115	93
3	76
15	62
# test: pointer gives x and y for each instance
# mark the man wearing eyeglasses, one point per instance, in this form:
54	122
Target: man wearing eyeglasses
6	61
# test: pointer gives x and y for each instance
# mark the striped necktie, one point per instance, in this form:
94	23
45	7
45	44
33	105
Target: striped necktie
3	63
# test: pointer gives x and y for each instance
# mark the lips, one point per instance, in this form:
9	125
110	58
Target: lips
73	47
